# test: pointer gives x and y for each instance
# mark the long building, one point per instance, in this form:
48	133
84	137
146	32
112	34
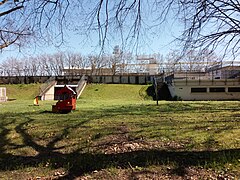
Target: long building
222	83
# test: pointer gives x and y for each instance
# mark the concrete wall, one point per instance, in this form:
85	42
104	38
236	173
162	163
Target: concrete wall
124	79
183	89
121	79
23	79
133	79
3	94
142	80
108	79
49	95
116	79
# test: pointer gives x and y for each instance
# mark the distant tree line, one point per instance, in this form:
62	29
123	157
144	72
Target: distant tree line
54	64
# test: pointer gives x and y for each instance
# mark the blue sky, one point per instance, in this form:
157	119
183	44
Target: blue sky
158	40
154	38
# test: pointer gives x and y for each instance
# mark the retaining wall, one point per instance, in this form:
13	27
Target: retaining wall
105	79
23	79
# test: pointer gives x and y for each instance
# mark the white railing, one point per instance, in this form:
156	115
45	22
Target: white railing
48	84
81	85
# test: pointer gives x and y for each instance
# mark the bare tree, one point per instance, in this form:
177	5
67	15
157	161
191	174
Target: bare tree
32	66
10	31
35	18
116	60
56	62
193	60
47	20
71	62
80	63
209	24
45	66
12	67
212	24
172	60
97	63
7	68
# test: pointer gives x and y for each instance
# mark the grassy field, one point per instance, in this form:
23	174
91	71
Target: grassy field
118	132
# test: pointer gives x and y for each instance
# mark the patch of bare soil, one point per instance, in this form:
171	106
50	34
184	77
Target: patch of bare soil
156	173
123	143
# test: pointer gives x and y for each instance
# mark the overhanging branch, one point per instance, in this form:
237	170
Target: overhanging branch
11	10
6	44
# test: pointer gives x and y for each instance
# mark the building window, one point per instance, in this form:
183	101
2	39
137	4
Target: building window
234	89
198	90
217	89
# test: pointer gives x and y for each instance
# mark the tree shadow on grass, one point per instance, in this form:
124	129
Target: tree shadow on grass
79	162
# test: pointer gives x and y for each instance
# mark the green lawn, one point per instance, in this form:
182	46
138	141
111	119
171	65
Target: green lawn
116	128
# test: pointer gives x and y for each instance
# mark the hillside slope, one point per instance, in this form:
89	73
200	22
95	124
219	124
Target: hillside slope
114	93
22	91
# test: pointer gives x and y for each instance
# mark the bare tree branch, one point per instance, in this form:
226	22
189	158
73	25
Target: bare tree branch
6	44
209	24
3	2
10	10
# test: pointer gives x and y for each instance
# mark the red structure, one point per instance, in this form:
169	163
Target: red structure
66	100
